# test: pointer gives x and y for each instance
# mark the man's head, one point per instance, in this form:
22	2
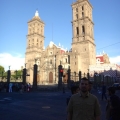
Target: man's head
111	91
84	85
74	89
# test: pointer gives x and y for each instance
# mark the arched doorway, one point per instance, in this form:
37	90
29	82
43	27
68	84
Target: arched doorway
50	77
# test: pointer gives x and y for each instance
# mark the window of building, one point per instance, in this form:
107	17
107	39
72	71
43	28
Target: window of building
51	61
37	44
76	16
83	29
82	7
66	60
37	40
33	40
51	53
77	29
75	63
29	45
76	9
82	14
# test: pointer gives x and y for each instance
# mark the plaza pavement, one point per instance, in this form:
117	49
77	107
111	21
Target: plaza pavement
38	105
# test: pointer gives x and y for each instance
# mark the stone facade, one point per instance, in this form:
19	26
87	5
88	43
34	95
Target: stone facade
81	55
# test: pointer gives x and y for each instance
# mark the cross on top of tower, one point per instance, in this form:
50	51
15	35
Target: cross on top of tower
81	0
36	14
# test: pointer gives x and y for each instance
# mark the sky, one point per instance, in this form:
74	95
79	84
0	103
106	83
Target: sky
57	16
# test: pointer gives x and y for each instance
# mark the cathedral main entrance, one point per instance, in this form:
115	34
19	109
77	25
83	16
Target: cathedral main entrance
50	77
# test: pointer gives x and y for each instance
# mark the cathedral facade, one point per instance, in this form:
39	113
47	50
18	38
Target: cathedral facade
79	58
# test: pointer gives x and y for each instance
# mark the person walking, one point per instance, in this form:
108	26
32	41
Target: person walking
83	105
10	87
113	106
74	90
104	91
90	86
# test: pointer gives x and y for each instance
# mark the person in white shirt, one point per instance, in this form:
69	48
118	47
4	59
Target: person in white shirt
10	87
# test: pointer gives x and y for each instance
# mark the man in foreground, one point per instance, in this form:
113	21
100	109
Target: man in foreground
83	105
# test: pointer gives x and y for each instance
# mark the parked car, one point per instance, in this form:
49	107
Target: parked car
116	86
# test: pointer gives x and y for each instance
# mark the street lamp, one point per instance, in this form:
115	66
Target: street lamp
9	67
55	68
75	75
16	75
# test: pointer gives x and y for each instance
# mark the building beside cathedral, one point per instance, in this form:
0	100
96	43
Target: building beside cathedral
81	55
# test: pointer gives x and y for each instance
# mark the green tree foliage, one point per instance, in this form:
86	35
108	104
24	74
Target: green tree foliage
17	74
2	70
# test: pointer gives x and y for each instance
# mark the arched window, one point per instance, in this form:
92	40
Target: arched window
77	30
82	7
82	14
76	9
76	16
83	29
66	60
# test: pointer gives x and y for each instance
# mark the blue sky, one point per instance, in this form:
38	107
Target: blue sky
57	16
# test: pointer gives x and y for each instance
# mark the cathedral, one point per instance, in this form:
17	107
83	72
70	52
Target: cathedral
79	58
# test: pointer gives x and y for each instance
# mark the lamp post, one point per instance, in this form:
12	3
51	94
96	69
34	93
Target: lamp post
55	68
9	67
88	75
16	75
75	75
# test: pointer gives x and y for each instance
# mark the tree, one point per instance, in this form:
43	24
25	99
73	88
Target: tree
2	70
17	74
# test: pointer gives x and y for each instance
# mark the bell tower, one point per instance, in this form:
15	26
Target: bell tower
83	37
35	41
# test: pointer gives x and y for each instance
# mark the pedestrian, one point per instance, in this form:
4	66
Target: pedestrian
22	88
10	87
90	86
83	105
63	87
28	87
74	90
104	91
113	106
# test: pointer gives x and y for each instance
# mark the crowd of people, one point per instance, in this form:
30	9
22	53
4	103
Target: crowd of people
15	87
83	105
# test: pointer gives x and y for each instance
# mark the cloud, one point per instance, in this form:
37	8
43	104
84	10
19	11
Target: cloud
115	60
15	62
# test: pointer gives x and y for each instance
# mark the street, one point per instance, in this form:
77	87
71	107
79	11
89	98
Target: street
38	105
